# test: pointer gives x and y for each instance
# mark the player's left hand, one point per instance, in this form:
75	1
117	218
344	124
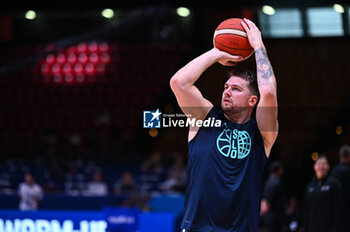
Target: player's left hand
253	33
225	58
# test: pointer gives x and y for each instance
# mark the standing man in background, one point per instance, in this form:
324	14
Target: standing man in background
276	198
341	172
30	193
323	203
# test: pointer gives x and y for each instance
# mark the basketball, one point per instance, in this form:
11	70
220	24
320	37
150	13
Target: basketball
231	37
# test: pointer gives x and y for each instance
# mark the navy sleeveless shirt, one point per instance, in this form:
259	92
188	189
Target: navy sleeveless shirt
224	177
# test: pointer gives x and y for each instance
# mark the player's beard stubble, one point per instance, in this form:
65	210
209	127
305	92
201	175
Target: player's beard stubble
229	109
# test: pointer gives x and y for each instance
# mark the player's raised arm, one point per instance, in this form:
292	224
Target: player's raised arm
187	94
266	113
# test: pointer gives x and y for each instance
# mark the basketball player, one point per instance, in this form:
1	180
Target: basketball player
226	163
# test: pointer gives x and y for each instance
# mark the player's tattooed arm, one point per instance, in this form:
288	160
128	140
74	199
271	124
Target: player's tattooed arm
266	112
265	72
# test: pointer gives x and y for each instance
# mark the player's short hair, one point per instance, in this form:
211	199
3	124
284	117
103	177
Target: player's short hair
248	76
344	151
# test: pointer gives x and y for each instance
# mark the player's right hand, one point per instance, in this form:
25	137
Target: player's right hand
253	33
225	58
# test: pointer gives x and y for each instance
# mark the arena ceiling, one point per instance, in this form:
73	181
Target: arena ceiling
89	5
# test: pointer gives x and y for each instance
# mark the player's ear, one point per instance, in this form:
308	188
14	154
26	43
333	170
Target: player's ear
253	99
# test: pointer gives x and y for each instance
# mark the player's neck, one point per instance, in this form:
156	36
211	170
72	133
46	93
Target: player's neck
239	118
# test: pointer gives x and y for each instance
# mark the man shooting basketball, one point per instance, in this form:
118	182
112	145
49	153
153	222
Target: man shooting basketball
226	163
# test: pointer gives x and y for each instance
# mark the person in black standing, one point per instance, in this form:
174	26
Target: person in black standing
275	196
341	172
323	203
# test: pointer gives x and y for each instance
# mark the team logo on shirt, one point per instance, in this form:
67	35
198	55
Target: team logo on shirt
234	143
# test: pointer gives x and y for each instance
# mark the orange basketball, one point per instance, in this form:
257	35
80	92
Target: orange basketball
231	37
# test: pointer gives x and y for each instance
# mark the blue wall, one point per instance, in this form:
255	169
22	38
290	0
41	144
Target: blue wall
121	219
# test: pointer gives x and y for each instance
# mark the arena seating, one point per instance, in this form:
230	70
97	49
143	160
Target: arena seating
130	83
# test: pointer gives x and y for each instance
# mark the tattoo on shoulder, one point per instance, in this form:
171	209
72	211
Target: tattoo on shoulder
264	68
